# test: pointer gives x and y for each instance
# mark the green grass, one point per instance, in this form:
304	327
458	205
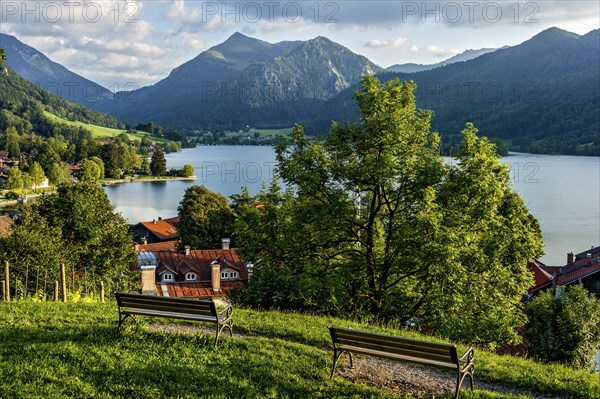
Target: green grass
100	132
56	350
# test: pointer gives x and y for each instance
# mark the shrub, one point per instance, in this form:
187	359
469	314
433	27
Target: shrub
564	326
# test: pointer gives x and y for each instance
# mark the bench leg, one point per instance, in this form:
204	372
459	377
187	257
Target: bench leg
469	371
336	356
121	320
229	325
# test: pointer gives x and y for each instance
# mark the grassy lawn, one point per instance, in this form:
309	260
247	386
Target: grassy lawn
99	132
56	350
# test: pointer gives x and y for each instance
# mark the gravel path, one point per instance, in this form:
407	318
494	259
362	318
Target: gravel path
397	377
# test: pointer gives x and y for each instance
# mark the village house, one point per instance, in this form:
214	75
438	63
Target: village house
207	273
158	230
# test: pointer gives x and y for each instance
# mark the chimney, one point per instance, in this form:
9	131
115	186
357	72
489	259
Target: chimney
145	242
148	277
187	250
136	247
225	243
216	276
154	221
570	258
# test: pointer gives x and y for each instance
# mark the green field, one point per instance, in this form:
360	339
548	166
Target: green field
100	132
57	350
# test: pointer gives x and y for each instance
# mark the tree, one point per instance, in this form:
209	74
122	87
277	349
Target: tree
59	173
37	175
158	163
564	326
90	171
99	237
35	250
14	179
187	170
411	237
12	143
205	218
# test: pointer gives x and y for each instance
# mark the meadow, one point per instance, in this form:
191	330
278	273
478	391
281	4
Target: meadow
70	350
100	132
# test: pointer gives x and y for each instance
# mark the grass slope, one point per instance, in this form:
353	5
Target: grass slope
56	350
100	132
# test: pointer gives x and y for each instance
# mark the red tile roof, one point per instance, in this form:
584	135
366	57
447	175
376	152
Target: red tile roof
163	229
540	276
197	290
582	272
159	246
199	261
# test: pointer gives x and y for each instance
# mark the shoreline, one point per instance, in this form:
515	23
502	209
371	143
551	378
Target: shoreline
110	182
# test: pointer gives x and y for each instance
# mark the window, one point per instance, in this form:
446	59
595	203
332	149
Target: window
167	277
190	277
228	275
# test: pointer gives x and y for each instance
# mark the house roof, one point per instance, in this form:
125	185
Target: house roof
540	276
575	274
164	229
594	251
196	289
199	261
158	246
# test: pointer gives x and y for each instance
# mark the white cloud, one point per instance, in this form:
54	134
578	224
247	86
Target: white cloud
393	42
432	49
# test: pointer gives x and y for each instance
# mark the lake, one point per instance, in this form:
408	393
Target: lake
562	192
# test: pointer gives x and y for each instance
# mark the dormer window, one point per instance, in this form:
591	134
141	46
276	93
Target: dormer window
229	274
167	277
190	276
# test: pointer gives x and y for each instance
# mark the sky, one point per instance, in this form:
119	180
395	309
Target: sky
124	45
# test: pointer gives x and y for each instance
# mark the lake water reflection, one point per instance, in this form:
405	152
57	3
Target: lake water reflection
562	192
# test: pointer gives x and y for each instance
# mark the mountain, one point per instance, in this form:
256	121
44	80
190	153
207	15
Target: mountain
24	105
464	56
34	66
541	96
239	82
194	81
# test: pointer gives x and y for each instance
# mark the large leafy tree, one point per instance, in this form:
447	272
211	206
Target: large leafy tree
99	237
205	218
158	163
35	250
409	236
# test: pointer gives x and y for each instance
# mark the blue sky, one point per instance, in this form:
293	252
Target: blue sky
128	44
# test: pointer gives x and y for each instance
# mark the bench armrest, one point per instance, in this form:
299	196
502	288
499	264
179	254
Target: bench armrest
227	311
468	356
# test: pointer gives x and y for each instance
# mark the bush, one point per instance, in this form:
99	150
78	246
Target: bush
564	327
11	195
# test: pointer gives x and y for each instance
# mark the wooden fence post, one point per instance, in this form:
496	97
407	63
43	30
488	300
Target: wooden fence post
63	279
7	280
102	291
55	290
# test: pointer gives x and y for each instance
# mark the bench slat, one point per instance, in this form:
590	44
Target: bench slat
446	358
417	342
167	307
394	342
398	356
177	315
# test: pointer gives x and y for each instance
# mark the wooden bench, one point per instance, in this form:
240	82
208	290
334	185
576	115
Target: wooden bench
404	349
178	308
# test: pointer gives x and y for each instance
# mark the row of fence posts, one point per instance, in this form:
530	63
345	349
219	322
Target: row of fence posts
63	280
